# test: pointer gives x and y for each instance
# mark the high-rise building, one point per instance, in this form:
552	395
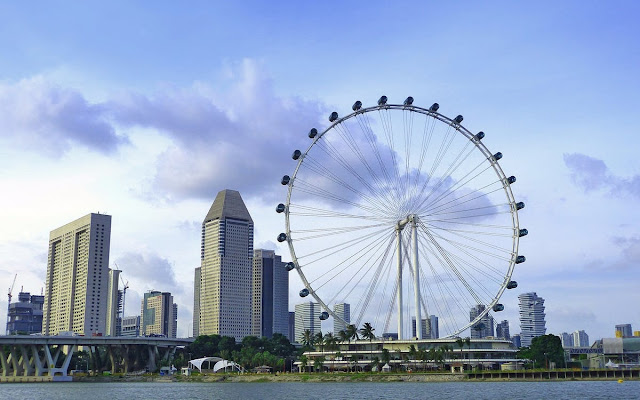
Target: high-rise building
114	304
580	339
566	339
226	267
131	326
307	319
196	303
424	326
532	323
77	282
158	315
515	339
25	316
433	327
502	330
624	330
270	294
292	327
484	327
342	310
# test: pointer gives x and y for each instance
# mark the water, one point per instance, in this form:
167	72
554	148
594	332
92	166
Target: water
312	391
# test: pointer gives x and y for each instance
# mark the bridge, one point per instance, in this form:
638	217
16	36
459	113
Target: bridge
35	358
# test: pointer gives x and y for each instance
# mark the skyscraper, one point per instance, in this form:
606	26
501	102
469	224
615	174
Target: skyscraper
307	319
224	289
434	330
270	294
580	339
158	314
624	330
566	339
114	304
343	310
196	303
76	287
424	326
484	326
502	330
532	323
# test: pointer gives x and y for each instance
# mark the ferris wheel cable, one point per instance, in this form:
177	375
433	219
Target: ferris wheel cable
328	213
388	132
334	249
321	170
465	210
456	201
348	138
462	248
386	277
339	230
434	227
427	133
408	129
476	216
482	242
508	227
313	190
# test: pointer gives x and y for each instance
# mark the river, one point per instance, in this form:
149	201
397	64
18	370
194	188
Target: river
554	390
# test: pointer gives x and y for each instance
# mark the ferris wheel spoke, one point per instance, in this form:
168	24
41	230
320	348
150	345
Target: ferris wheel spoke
457	201
341	201
304	211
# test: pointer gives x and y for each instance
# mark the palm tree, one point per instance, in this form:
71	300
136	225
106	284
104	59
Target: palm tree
318	339
367	333
352	332
343	336
413	354
467	341
386	356
307	338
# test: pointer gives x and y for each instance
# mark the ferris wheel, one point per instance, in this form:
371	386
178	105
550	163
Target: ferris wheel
404	214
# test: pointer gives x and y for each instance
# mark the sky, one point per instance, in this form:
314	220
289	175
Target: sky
145	110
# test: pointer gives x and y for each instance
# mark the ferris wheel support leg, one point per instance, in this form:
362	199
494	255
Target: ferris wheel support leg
399	258
416	276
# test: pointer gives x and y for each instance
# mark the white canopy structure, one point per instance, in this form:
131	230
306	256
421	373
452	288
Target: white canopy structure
219	364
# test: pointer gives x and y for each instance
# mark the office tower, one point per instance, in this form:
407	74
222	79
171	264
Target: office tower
226	267
580	339
76	287
342	310
434	330
307	319
566	339
624	330
532	323
196	303
270	294
131	326
484	327
158	315
292	327
114	303
424	326
502	330
25	316
516	340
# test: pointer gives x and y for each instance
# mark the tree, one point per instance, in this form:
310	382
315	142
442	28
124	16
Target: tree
303	361
367	333
307	338
385	357
318	340
413	354
352	333
544	349
460	343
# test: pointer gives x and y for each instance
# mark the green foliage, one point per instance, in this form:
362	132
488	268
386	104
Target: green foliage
544	349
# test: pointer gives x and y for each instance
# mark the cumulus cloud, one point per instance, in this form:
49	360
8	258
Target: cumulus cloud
629	251
148	271
591	174
39	116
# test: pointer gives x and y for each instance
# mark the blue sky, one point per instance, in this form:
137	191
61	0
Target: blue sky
145	110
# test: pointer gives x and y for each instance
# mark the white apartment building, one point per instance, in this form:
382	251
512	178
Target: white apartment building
307	319
532	323
342	310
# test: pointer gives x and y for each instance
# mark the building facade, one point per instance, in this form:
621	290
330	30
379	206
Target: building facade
131	326
158	315
424	326
434	329
502	330
114	304
292	327
566	339
270	294
307	319
532	322
624	331
342	310
580	339
226	268
484	327
196	302
77	281
25	316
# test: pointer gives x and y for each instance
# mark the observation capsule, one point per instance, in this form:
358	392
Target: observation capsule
280	208
520	259
512	285
408	101
511	179
356	106
333	116
382	101
282	237
312	133
290	266
458	119
497	156
285	180
296	154
434	107
479	135
304	292
498	307
523	232
324	315
519	205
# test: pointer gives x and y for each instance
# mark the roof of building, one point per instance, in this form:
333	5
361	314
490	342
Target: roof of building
228	204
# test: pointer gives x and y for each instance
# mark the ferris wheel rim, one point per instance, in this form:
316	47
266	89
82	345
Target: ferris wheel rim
460	129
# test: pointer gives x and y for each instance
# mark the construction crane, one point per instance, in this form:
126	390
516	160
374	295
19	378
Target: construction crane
9	303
